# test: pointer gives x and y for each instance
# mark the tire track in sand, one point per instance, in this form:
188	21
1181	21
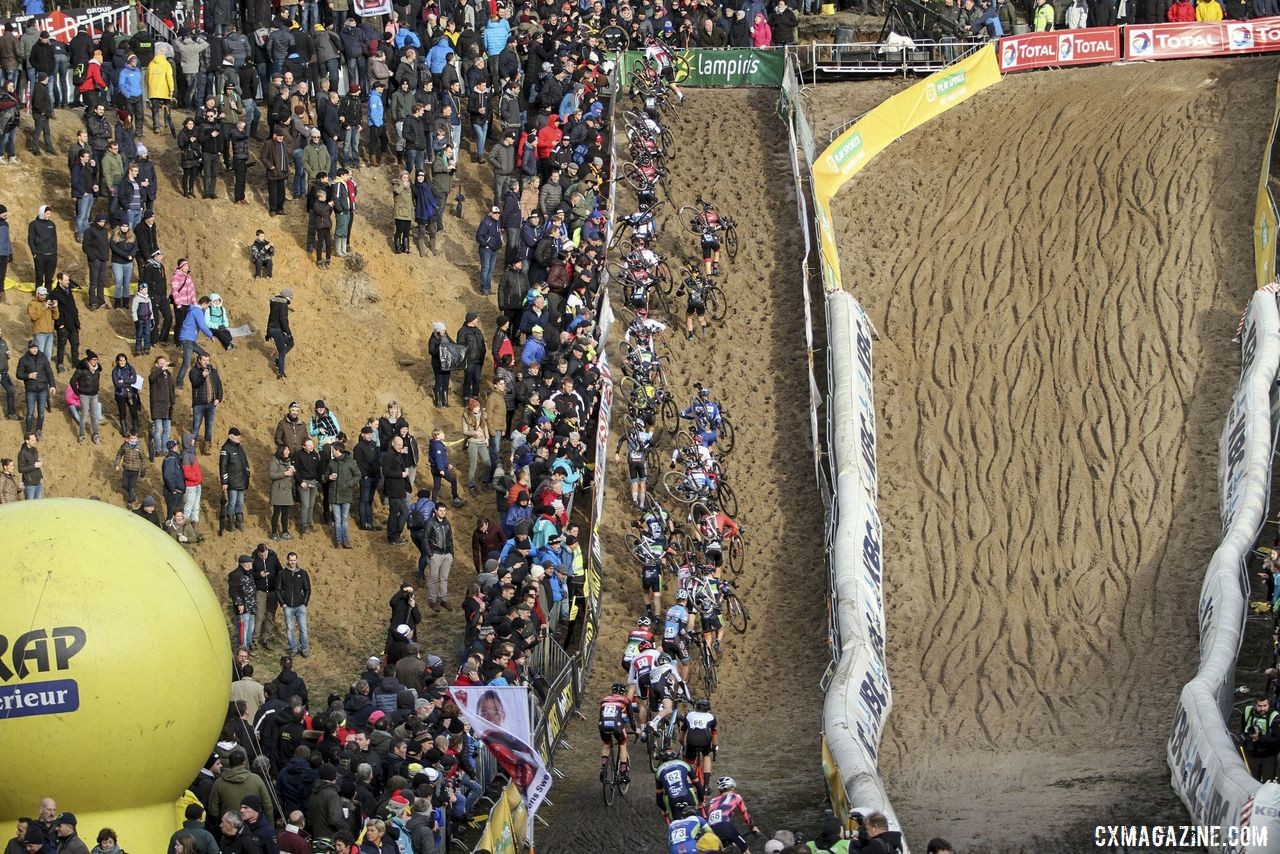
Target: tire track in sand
730	148
1055	269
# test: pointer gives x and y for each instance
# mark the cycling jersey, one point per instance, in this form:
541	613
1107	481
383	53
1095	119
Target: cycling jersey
615	711
641	668
698	728
665	682
721	808
675	783
642	259
705	416
644	328
683	834
654	525
675	622
632	649
638	442
696	291
657	53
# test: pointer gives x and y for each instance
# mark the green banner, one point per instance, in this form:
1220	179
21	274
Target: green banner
722	69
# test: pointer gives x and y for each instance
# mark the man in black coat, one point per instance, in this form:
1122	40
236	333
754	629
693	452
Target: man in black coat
97	251
42	240
395	488
41	111
470	336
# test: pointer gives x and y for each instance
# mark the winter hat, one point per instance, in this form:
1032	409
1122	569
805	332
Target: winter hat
398	803
286	293
438	326
142	151
66	818
376	716
471	315
319	405
42	291
171	444
244	559
148	502
253	802
40	211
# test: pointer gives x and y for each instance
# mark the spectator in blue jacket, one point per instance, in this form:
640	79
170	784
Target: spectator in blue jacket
193	325
129	84
441	470
406	37
516	513
379	143
175	485
496	33
437	58
535	349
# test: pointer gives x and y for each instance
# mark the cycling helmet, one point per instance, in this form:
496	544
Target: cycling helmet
698	439
644	622
702	705
662	659
666	756
726	783
618	688
688	810
704	393
682	595
646	645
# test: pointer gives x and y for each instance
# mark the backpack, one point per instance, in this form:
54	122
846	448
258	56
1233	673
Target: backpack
544	251
417	519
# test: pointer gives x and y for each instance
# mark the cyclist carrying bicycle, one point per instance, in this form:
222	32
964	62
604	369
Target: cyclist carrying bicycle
676	626
700	736
694	290
615	720
707	602
643	222
714	528
638	441
676	787
660	55
705	415
720	812
643	331
684	832
638	682
711	227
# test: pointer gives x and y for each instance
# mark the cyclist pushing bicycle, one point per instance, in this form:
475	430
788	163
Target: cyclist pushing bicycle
666	688
676	789
701	738
708	599
615	720
638	441
638	682
714	528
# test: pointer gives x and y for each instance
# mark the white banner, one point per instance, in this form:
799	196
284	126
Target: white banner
1207	770
369	8
499	716
858	699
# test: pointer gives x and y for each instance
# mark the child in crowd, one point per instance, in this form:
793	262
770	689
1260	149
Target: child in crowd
262	252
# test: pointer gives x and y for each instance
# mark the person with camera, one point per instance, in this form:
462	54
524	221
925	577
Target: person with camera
1261	738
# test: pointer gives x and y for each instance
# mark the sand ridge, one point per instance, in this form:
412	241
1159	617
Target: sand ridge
1055	269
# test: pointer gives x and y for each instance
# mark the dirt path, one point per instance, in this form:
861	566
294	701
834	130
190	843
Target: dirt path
1055	269
768	702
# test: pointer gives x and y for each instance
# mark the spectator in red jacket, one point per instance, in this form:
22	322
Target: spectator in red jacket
1182	11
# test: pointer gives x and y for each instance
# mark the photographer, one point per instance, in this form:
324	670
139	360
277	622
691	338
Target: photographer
1261	738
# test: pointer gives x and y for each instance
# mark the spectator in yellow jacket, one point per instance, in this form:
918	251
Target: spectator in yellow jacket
1209	10
160	91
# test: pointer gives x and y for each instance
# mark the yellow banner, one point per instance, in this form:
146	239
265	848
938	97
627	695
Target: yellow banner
1264	217
835	786
880	127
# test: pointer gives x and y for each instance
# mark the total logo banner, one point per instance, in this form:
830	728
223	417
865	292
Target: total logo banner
1064	47
1171	41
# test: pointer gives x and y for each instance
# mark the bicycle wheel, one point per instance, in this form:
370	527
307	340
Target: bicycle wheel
726	498
690	219
708	670
609	778
670	415
632	542
623	784
737	555
738	616
680	65
619	229
615	38
668	141
717	303
652	467
666	282
639	67
661	300
727	435
655	748
731	241
678	487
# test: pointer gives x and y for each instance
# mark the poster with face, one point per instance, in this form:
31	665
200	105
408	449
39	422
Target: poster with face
499	716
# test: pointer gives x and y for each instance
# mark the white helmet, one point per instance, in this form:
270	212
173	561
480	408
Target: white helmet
726	783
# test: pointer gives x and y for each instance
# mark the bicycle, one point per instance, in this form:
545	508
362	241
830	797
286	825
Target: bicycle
613	783
666	738
694	218
736	612
707	662
736	548
636	123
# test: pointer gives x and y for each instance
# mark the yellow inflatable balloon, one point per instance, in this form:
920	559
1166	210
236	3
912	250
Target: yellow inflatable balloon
115	668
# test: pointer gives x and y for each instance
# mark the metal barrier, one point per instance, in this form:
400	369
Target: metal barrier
871	59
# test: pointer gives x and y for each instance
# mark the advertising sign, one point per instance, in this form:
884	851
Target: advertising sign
720	69
1064	47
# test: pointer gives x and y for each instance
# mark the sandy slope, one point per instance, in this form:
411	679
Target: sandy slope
768	701
1055	269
